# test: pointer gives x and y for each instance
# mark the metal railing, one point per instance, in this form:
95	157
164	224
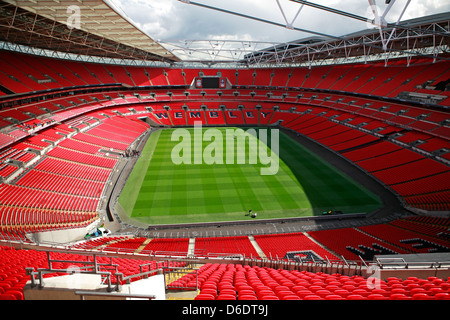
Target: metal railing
108	271
88	267
401	263
172	275
326	265
142	275
83	294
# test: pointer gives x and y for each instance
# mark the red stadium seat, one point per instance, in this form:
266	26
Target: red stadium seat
312	297
355	297
226	296
442	296
376	296
17	294
399	296
269	297
7	296
334	297
204	297
247	297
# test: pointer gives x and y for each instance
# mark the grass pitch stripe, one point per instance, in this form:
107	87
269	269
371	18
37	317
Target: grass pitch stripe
165	193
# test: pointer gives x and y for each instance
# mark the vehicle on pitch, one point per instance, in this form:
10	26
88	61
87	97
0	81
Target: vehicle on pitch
98	232
331	212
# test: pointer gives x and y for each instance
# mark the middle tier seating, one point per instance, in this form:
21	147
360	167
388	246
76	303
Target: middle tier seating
401	236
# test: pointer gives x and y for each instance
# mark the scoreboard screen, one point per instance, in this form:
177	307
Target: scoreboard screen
210	82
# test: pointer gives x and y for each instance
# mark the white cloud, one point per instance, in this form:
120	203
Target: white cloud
173	20
153	17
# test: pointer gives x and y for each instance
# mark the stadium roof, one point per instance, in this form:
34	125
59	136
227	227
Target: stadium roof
426	36
89	27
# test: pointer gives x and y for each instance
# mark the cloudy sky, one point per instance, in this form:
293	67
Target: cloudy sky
172	20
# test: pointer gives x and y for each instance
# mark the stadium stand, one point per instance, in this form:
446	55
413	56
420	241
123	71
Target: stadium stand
354	143
65	126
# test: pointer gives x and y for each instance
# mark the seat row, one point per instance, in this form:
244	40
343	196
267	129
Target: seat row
62	184
237	282
11	195
75	170
80	157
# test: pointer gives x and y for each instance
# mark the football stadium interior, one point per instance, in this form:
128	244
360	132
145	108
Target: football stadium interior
93	207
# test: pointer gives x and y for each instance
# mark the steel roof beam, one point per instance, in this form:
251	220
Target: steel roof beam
360	18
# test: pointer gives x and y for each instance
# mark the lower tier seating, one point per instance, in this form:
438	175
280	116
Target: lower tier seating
13	263
242	282
238	282
234	282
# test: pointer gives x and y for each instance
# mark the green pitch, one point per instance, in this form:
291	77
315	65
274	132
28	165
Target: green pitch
161	192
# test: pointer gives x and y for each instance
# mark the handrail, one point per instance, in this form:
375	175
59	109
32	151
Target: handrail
400	261
393	262
39	273
87	265
363	261
141	274
82	294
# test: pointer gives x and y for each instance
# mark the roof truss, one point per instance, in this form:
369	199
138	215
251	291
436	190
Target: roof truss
430	40
87	28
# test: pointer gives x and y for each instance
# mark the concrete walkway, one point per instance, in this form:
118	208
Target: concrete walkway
257	247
